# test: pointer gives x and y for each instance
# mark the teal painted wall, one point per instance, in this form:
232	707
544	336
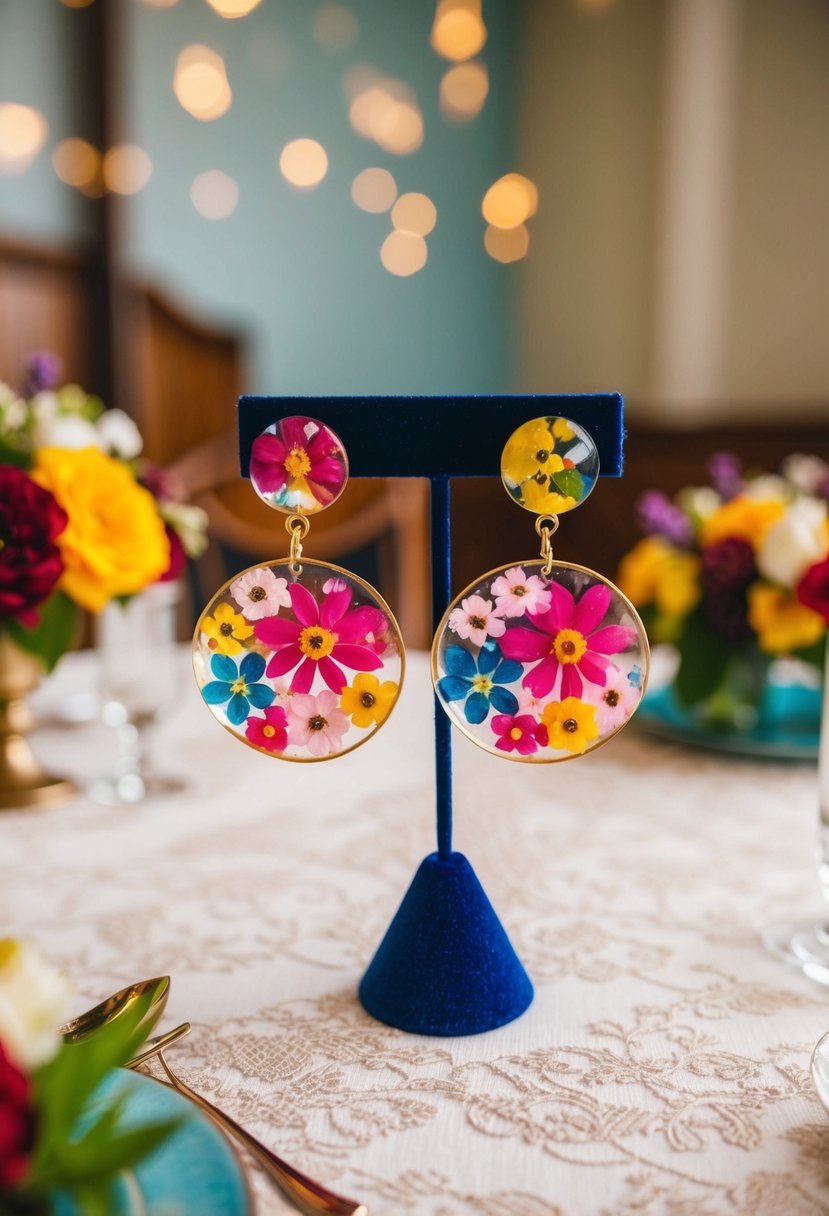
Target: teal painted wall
300	271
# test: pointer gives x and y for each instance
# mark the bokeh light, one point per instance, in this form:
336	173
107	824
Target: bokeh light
23	131
403	253
510	201
127	169
304	163
234	8
77	3
77	163
458	31
414	213
507	244
384	110
160	3
214	194
463	90
374	190
335	27
200	83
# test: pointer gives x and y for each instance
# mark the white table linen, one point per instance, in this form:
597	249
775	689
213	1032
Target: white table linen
663	1066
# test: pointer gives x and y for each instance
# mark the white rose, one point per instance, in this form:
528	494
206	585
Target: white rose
34	997
66	431
806	473
794	543
769	485
190	523
118	433
45	406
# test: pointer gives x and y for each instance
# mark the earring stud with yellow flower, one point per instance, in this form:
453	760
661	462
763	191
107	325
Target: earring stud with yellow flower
542	660
299	659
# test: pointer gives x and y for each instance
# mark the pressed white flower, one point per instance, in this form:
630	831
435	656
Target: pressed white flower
34	997
794	543
118	434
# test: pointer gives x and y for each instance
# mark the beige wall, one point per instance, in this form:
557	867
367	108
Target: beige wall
601	290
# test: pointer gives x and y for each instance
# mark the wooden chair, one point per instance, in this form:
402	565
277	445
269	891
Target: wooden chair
181	385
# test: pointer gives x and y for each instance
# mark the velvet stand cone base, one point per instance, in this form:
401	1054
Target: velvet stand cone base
446	966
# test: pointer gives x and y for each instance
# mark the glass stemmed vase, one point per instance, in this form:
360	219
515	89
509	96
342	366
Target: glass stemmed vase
140	680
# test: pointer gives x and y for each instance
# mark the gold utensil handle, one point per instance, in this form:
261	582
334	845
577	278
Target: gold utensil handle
305	1194
153	1046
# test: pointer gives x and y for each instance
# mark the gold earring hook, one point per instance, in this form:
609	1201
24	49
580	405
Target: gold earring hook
297	528
546	526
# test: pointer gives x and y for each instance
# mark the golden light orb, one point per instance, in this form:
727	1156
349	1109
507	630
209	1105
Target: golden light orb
374	190
304	163
403	253
414	213
507	244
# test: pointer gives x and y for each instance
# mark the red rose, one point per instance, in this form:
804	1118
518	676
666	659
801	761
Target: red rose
17	1123
813	589
178	557
30	561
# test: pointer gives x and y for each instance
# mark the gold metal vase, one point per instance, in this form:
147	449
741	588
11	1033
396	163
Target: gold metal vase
23	780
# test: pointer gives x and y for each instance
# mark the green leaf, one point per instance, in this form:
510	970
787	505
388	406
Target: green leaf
568	482
52	636
816	654
703	659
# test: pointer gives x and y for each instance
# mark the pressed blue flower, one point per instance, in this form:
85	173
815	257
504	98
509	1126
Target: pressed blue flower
478	682
238	686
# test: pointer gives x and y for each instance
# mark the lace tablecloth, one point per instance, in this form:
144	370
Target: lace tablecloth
663	1066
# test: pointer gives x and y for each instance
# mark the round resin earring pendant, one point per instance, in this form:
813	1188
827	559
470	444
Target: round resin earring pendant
299	659
542	660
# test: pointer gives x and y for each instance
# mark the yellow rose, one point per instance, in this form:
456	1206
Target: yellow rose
115	542
746	518
656	572
781	623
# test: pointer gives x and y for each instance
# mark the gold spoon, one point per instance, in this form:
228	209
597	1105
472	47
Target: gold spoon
154	991
304	1193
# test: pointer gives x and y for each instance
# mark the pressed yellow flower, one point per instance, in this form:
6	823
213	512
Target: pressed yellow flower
368	701
538	497
781	622
562	430
571	724
115	542
743	517
226	630
654	572
529	450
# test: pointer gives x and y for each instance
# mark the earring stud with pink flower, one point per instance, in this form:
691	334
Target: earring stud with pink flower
299	659
542	660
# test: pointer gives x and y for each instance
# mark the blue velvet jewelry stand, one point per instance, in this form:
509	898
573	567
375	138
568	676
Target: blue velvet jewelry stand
445	965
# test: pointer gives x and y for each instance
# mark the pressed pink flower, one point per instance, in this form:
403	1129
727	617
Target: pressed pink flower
269	732
334	584
476	620
292	462
516	594
322	636
316	723
616	703
528	702
565	639
520	733
259	593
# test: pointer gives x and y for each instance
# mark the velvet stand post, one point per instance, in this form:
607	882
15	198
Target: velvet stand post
445	965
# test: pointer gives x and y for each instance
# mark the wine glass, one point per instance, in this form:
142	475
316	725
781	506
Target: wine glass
805	945
141	673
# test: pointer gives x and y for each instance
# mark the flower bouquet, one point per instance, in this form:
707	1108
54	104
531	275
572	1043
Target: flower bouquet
82	523
61	1142
733	576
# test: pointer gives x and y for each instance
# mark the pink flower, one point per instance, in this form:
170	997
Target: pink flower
316	723
528	702
259	593
616	703
476	620
564	640
269	732
321	637
516	594
522	733
292	460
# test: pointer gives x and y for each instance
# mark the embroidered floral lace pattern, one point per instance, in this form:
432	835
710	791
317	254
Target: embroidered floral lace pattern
663	1066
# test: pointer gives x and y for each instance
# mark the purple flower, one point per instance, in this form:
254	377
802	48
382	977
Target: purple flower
726	473
728	565
657	514
43	371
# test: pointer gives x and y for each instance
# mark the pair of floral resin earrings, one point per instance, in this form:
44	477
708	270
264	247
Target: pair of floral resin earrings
538	661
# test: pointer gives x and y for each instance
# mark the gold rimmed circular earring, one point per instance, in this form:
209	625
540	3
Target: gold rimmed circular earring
299	659
542	660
